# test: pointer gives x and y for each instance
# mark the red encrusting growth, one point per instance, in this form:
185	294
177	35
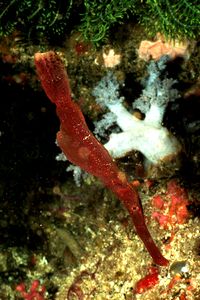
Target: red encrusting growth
36	291
148	282
83	149
171	208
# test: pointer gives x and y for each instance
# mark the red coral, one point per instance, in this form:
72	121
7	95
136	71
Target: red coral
36	291
149	281
82	148
171	207
158	202
178	211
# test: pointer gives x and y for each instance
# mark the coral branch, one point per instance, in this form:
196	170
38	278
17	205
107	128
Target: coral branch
82	148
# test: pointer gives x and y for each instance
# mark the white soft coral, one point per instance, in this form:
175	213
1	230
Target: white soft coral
148	136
